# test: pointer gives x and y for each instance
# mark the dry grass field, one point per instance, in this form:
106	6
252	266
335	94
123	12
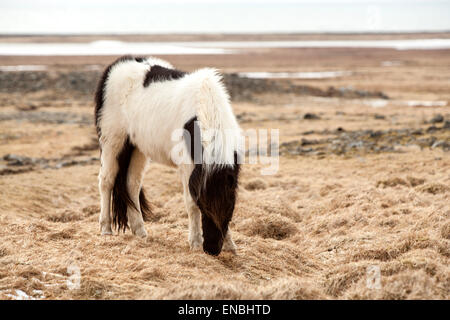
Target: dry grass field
359	187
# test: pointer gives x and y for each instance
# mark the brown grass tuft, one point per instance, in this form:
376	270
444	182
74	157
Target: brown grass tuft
3	252
91	210
273	226
414	182
256	184
445	231
92	289
391	182
341	278
62	235
153	274
411	285
434	188
324	191
30	272
65	216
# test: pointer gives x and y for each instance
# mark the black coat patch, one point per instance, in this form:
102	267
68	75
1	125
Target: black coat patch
159	74
101	86
194	140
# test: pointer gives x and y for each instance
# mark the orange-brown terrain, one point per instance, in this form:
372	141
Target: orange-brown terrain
363	184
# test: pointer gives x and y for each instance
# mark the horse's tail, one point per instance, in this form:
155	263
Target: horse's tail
121	199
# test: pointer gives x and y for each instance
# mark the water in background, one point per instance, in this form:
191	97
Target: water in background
96	16
108	47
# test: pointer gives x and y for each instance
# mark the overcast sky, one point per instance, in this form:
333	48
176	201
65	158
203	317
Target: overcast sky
230	16
95	3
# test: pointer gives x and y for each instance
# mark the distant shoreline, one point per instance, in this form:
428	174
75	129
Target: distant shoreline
49	38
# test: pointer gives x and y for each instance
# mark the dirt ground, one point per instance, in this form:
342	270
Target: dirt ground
363	187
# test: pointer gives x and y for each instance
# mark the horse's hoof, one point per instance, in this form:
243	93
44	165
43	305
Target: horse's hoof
196	246
105	231
230	249
141	233
229	246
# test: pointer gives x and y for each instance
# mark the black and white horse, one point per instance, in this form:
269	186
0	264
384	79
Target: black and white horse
141	105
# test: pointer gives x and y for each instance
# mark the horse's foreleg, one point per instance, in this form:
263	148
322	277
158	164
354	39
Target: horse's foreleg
195	227
228	243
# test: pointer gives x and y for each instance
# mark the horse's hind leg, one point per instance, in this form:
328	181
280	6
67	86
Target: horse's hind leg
136	172
108	171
